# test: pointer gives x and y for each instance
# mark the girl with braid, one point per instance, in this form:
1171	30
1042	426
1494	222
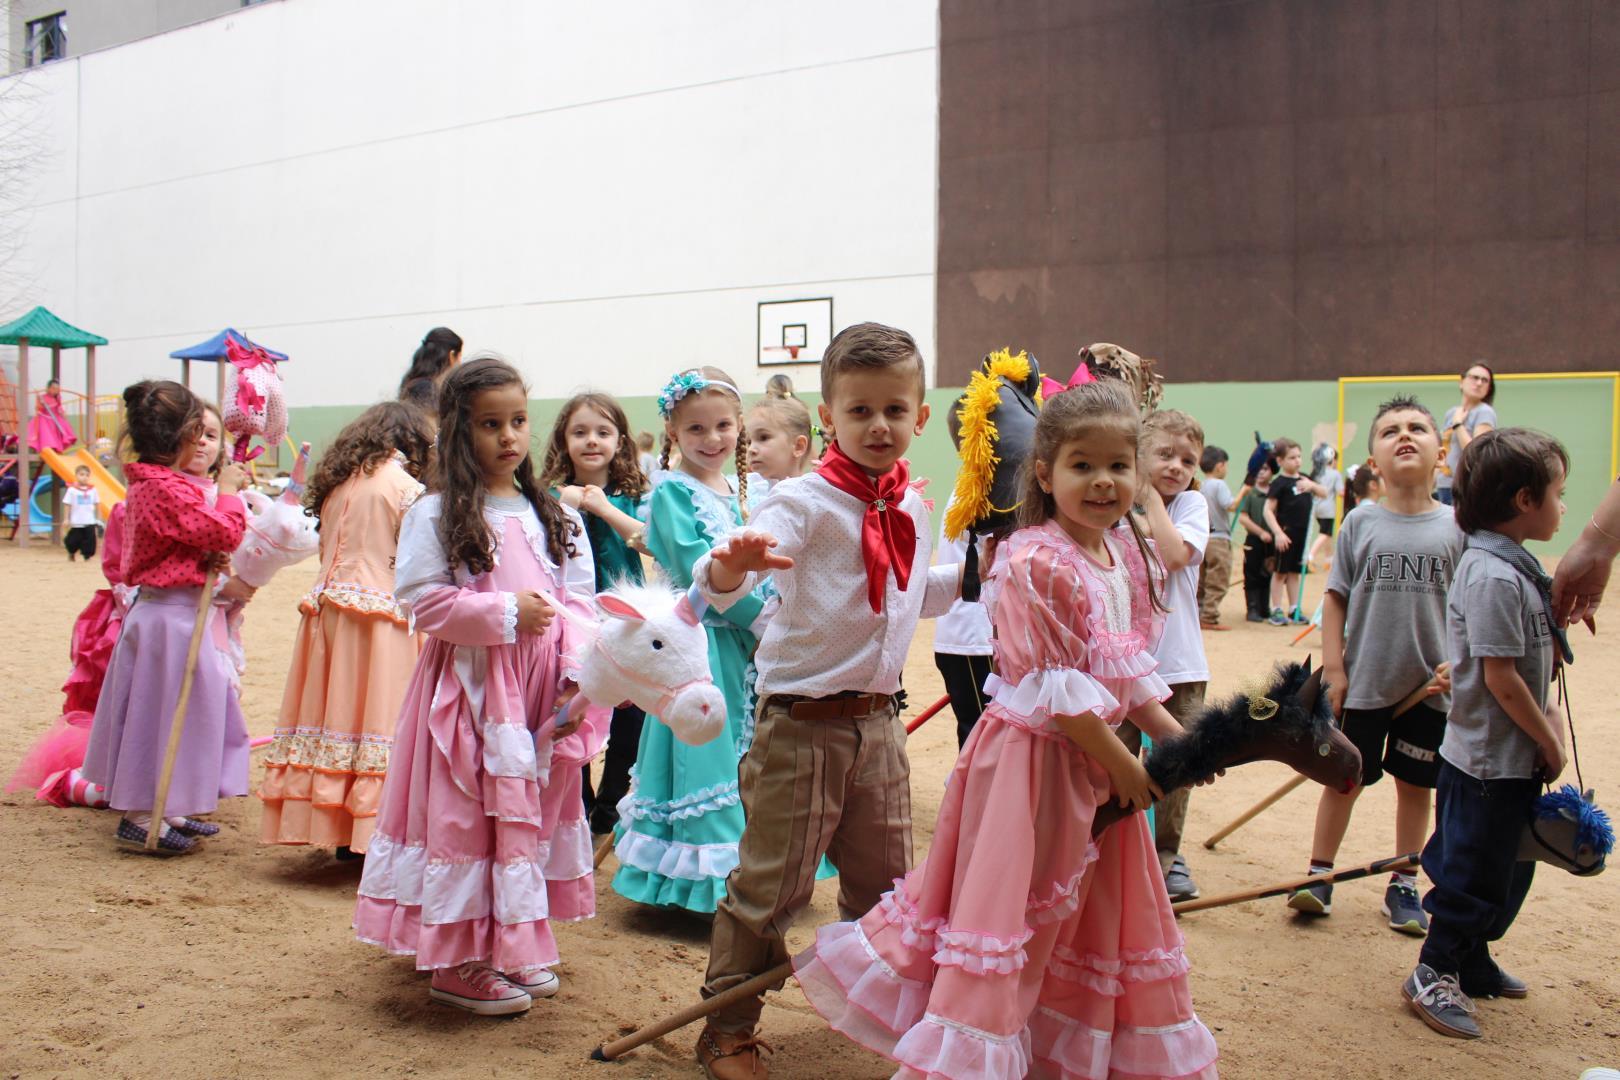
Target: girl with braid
679	826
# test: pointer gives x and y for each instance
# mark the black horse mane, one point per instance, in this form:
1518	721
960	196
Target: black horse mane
1220	729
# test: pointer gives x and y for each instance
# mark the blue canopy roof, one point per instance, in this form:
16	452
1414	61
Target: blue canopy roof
214	348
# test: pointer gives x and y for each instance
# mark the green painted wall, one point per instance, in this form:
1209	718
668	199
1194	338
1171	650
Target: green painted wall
1579	411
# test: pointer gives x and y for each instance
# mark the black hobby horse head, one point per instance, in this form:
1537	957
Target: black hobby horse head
1290	721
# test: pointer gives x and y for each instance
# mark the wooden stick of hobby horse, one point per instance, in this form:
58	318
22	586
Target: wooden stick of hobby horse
607	843
1294	781
177	723
1391	865
758	984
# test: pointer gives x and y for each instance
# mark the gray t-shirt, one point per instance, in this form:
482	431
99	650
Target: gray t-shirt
1334	482
1220	500
1479	414
1493	611
1393	571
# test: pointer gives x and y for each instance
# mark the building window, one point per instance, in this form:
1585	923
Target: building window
46	40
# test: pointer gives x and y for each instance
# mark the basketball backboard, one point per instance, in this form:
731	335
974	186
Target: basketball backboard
794	331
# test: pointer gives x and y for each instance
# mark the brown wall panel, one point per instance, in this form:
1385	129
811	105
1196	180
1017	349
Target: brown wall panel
1281	189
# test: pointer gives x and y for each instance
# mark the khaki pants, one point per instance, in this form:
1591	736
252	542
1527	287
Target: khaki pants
840	788
1170	815
1214	578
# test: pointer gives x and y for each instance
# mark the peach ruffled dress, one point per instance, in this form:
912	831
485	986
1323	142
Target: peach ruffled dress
351	663
1021	947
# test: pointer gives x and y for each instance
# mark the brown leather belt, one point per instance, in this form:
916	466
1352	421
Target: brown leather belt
845	706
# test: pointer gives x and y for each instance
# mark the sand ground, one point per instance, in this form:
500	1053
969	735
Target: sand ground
239	961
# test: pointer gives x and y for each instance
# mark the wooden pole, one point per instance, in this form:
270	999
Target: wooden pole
25	479
177	723
1406	705
757	985
219	393
90	433
185	373
602	850
928	713
1392	865
56	488
1254	811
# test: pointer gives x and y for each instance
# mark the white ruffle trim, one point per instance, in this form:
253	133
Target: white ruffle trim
509	750
745	737
1047	692
1071	1049
694	804
673	859
941	1047
453	891
509	618
571	856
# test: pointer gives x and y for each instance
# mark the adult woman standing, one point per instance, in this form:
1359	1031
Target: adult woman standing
438	353
1466	422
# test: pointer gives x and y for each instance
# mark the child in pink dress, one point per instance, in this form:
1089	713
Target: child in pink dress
173	539
52	766
1021	946
353	657
49	429
481	838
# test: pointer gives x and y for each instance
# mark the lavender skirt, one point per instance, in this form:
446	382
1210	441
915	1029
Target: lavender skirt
131	730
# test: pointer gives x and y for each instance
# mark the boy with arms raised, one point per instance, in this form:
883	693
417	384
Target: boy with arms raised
1384	636
827	773
1503	738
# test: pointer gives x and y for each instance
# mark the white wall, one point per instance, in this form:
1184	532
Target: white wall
603	192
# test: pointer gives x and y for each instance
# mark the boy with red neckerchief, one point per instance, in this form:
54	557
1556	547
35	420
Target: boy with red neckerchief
827	774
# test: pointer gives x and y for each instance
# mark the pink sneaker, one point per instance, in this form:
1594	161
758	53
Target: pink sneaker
536	982
480	989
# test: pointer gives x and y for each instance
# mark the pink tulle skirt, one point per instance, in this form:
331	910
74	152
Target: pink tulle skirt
481	840
1019	947
61	749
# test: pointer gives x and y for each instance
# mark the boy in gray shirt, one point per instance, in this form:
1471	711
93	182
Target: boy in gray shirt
1503	739
1384	634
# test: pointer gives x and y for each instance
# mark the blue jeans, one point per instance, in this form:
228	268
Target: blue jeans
1473	861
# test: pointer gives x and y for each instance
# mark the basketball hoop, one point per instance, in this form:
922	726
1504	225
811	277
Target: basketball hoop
776	352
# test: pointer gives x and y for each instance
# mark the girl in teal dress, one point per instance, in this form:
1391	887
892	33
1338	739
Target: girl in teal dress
592	466
679	826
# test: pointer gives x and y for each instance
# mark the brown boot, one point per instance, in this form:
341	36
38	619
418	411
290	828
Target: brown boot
727	1055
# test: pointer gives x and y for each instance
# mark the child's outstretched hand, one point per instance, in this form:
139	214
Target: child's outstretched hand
750	551
534	614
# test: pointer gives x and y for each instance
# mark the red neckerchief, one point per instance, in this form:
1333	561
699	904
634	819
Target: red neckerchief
888	535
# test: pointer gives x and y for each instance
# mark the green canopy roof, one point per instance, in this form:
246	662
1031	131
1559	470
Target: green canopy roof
40	327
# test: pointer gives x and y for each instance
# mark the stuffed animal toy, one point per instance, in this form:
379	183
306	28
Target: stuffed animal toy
1567	830
649	648
1290	721
279	533
254	405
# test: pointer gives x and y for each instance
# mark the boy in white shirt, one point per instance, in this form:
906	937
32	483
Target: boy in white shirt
1178	521
827	774
82	504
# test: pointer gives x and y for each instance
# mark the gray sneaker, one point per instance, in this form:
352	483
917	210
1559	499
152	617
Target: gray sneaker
1404	911
1440	1002
1278	617
1179	883
1313	899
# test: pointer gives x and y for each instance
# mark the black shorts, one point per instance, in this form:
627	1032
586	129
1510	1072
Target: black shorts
1324	526
1406	746
1293	560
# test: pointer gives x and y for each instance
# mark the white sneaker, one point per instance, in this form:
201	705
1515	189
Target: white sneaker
536	982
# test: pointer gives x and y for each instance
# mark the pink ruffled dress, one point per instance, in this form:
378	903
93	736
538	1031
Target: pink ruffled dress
481	840
51	766
1033	951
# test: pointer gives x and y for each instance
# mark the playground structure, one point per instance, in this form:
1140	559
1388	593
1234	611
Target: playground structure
41	328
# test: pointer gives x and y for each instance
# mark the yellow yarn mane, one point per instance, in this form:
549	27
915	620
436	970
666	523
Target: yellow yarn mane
977	438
